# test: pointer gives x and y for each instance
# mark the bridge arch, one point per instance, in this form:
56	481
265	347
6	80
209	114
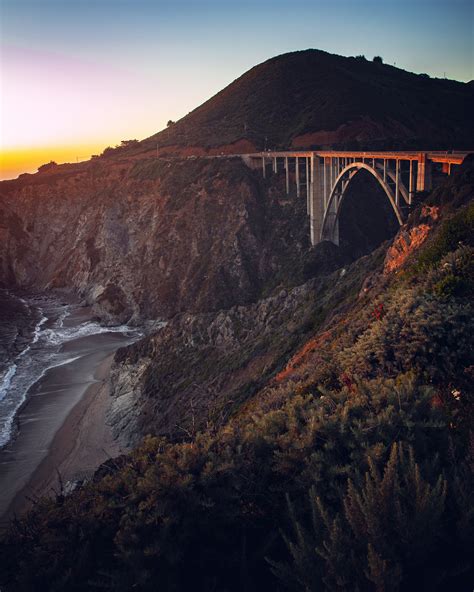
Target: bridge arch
332	209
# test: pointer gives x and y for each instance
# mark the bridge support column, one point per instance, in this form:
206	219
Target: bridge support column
308	185
411	183
297	172
325	182
397	182
327	169
287	176
264	167
275	165
423	179
317	200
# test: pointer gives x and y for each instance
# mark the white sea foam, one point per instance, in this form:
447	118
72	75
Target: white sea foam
7	380
43	353
60	335
37	332
6	428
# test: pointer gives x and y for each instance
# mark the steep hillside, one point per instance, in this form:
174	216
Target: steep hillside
358	449
316	99
150	238
200	368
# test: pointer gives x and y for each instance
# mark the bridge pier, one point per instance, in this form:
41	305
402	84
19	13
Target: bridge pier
411	183
424	177
308	184
397	182
317	200
297	174
325	186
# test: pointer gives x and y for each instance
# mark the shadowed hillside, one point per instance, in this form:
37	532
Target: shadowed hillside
149	238
315	99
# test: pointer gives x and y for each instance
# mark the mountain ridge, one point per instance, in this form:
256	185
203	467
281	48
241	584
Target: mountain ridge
318	92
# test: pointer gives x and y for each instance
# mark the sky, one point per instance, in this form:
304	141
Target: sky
79	75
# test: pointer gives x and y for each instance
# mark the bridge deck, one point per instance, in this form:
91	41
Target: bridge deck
434	156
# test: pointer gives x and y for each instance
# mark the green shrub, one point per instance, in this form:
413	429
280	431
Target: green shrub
387	533
457	230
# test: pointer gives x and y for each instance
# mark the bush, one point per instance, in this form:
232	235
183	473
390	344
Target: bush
390	531
47	167
454	232
216	504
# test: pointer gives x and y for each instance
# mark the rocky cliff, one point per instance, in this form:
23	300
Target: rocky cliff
199	369
150	238
202	369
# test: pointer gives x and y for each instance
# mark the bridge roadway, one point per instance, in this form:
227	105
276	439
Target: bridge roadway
326	175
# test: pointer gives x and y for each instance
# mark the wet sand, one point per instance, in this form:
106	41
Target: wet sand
62	426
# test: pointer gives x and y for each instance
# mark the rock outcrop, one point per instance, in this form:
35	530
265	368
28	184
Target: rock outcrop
150	238
200	368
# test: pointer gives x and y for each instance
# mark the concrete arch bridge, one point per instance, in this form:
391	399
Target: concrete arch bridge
325	176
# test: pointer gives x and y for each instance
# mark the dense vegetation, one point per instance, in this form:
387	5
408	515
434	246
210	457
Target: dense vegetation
351	470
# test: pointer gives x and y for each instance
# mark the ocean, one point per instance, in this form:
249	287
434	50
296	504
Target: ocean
34	332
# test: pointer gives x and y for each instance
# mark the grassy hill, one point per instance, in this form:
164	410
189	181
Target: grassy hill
362	103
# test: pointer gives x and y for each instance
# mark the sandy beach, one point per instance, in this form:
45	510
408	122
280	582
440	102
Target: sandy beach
62	429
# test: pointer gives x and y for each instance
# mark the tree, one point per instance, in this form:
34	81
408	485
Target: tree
387	531
126	143
170	123
377	60
47	167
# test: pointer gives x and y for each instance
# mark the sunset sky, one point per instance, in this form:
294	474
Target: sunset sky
79	75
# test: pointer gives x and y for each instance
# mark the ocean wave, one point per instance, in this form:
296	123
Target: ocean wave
37	332
44	352
6	428
60	335
7	380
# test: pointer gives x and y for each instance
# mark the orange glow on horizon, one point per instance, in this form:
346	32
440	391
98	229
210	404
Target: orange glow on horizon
15	161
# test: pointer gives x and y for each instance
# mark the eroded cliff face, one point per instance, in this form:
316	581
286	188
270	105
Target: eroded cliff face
200	368
150	238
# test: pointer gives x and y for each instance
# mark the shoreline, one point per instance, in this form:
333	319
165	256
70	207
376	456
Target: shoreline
82	443
61	426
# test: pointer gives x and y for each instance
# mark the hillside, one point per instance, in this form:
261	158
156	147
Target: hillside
150	238
357	447
315	99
